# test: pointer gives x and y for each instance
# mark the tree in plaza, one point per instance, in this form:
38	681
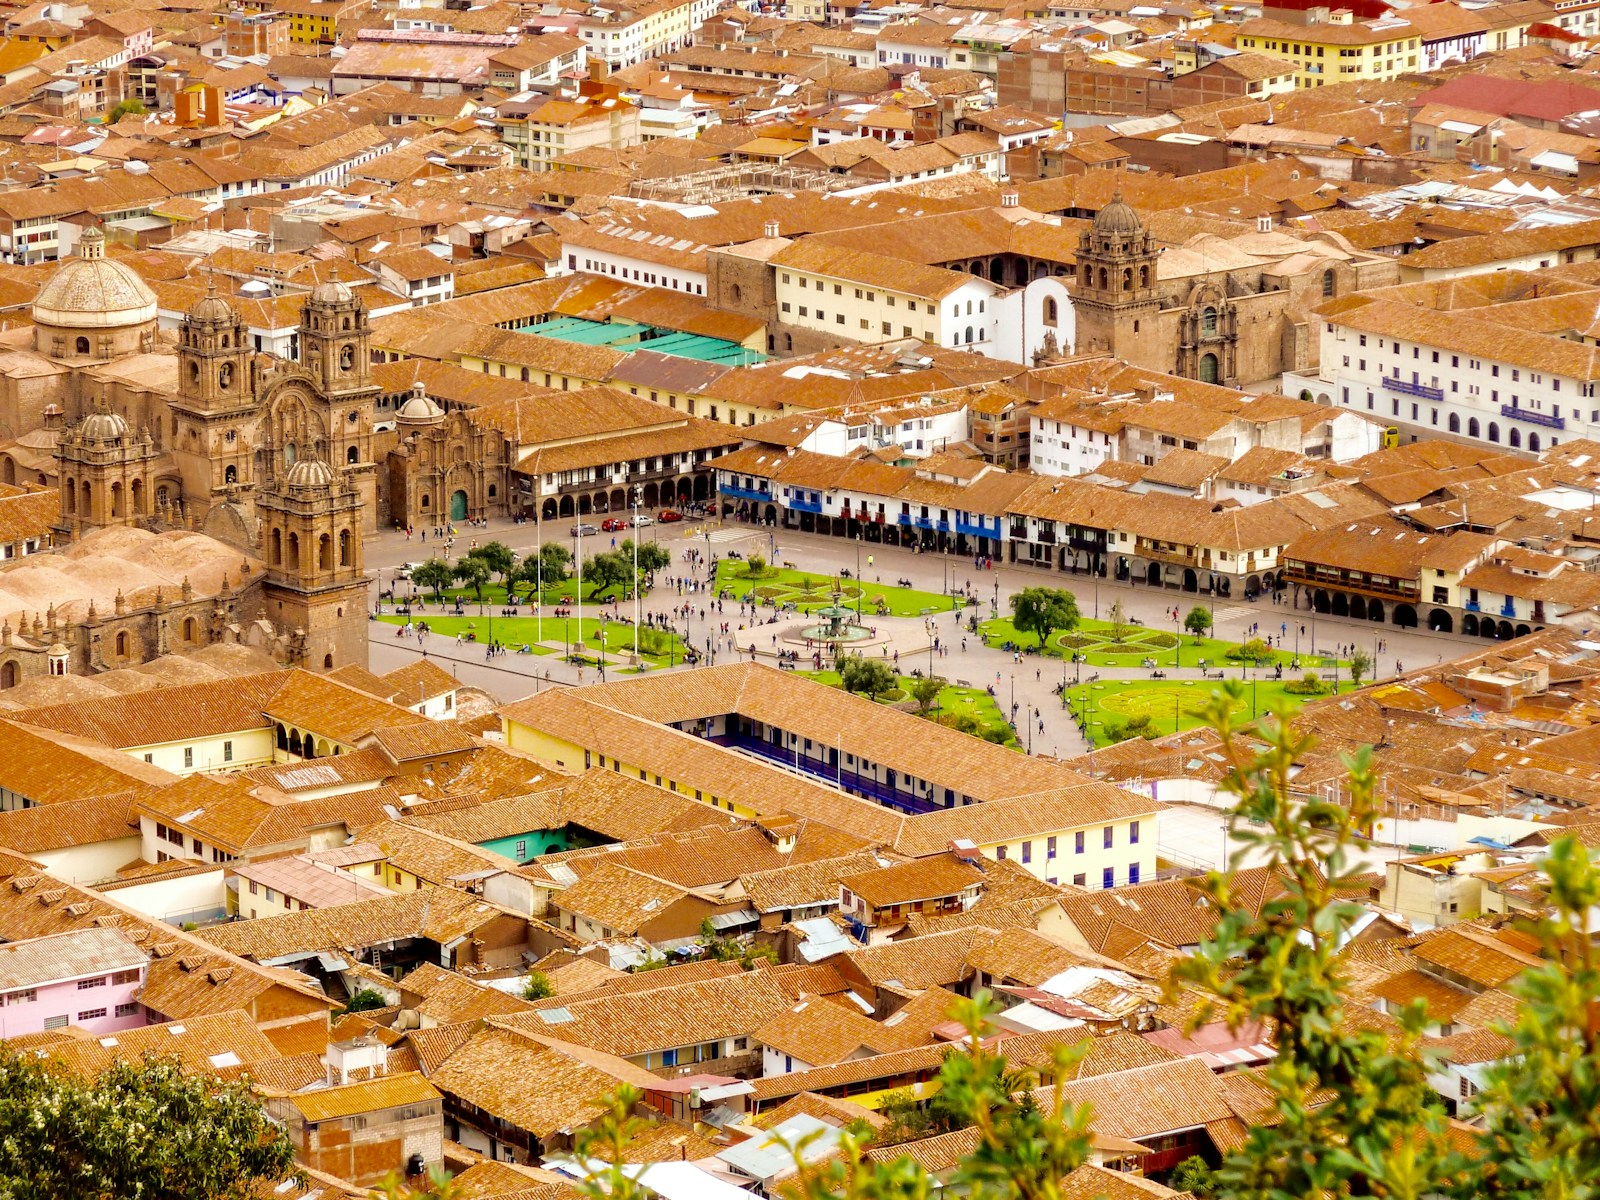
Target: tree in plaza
1198	620
653	557
1044	610
552	564
1118	617
501	559
607	570
474	572
1360	665
434	575
140	1129
925	691
871	676
755	565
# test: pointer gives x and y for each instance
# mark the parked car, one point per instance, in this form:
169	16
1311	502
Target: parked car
584	529
612	524
643	519
405	570
669	514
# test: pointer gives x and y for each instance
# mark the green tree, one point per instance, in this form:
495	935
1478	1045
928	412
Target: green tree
1255	650
364	1001
1118	617
552	564
435	575
500	557
871	676
607	570
755	566
1360	665
925	691
653	557
474	572
538	986
1044	610
1194	1176
125	108
140	1129
1198	621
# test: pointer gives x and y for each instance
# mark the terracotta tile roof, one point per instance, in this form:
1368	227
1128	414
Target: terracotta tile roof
447	998
1487	960
917	963
438	914
199	1043
369	1096
660	1018
819	1033
925	879
802	885
1146	1102
47	768
492	1070
1443	1002
72	823
618	899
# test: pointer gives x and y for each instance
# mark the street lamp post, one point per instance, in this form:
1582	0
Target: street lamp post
635	540
577	539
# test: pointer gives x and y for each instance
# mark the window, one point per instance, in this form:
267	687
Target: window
91	1014
1133	833
188	756
25	996
128	1010
1133	872
255	888
85	984
1000	852
1077	842
1080	880
1027	852
1108	877
55	1022
522	851
227	751
1106	837
1050	847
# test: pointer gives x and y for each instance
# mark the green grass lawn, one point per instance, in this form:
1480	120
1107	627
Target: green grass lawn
810	590
1171	704
558	633
1095	639
958	703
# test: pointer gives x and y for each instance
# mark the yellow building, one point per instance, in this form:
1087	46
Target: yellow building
880	774
1341	50
311	22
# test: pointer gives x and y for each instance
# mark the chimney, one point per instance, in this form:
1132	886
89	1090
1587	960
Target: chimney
770	229
1008	200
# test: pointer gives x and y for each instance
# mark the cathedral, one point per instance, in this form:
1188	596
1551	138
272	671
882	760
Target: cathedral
270	457
1229	310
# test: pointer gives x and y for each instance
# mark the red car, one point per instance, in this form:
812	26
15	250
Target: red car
669	514
612	524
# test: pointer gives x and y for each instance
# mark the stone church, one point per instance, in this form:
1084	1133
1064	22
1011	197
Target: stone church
1227	310
273	458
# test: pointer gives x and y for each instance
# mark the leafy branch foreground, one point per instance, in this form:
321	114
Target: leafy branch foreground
1355	1114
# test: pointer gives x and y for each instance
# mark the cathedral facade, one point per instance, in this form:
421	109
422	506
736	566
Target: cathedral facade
274	458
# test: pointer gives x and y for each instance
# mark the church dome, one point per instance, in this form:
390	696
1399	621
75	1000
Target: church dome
92	292
420	409
1118	218
103	426
309	473
331	291
211	307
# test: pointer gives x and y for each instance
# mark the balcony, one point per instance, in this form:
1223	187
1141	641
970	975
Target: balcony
1421	390
739	493
1343	581
801	505
1513	413
977	530
1045	536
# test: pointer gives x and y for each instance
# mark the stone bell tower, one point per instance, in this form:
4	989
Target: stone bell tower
215	409
336	348
1114	294
311	540
106	473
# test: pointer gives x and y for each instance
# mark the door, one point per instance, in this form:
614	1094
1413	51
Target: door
458	506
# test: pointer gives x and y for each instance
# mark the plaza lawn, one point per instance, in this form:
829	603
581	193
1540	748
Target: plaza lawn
952	701
1117	700
809	590
1094	639
514	631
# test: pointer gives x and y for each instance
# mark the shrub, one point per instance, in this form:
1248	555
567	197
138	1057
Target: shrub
1311	685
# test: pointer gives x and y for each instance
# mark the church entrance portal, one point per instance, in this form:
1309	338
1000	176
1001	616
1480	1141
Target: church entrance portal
458	506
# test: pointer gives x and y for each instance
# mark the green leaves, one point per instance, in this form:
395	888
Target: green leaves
140	1131
1043	610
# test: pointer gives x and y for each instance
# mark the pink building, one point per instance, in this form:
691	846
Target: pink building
90	977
